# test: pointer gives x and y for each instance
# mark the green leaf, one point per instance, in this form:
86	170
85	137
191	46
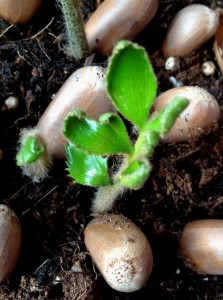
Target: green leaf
136	174
163	121
108	136
31	150
131	82
87	169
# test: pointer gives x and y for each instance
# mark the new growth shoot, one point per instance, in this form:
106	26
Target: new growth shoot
131	85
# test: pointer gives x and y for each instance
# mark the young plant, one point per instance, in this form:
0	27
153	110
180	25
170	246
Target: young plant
131	84
78	46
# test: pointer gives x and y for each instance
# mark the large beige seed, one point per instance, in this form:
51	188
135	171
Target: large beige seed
18	11
190	28
218	43
120	250
114	20
201	245
85	90
10	241
199	117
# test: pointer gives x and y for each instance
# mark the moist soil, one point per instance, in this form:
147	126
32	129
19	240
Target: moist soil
185	185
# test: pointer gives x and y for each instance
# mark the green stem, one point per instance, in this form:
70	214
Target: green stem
145	144
78	46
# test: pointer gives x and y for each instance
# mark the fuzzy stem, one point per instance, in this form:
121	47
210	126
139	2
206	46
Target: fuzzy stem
106	196
78	46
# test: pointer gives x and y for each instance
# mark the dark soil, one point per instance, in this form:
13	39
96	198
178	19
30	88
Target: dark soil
186	183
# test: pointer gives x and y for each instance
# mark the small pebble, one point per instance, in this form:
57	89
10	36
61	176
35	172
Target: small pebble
208	68
11	102
172	63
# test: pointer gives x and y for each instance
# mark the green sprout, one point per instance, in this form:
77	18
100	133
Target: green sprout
30	151
132	86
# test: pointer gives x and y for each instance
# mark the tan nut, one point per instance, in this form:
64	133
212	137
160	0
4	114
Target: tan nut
85	90
114	20
218	43
191	27
219	31
18	11
120	250
201	246
199	117
10	241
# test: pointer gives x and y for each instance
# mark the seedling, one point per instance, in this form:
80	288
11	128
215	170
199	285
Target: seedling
131	85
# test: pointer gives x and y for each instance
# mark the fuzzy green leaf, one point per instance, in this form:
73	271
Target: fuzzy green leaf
136	174
87	169
108	136
31	150
163	121
131	82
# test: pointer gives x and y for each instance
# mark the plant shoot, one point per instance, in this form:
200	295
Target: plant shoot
131	85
